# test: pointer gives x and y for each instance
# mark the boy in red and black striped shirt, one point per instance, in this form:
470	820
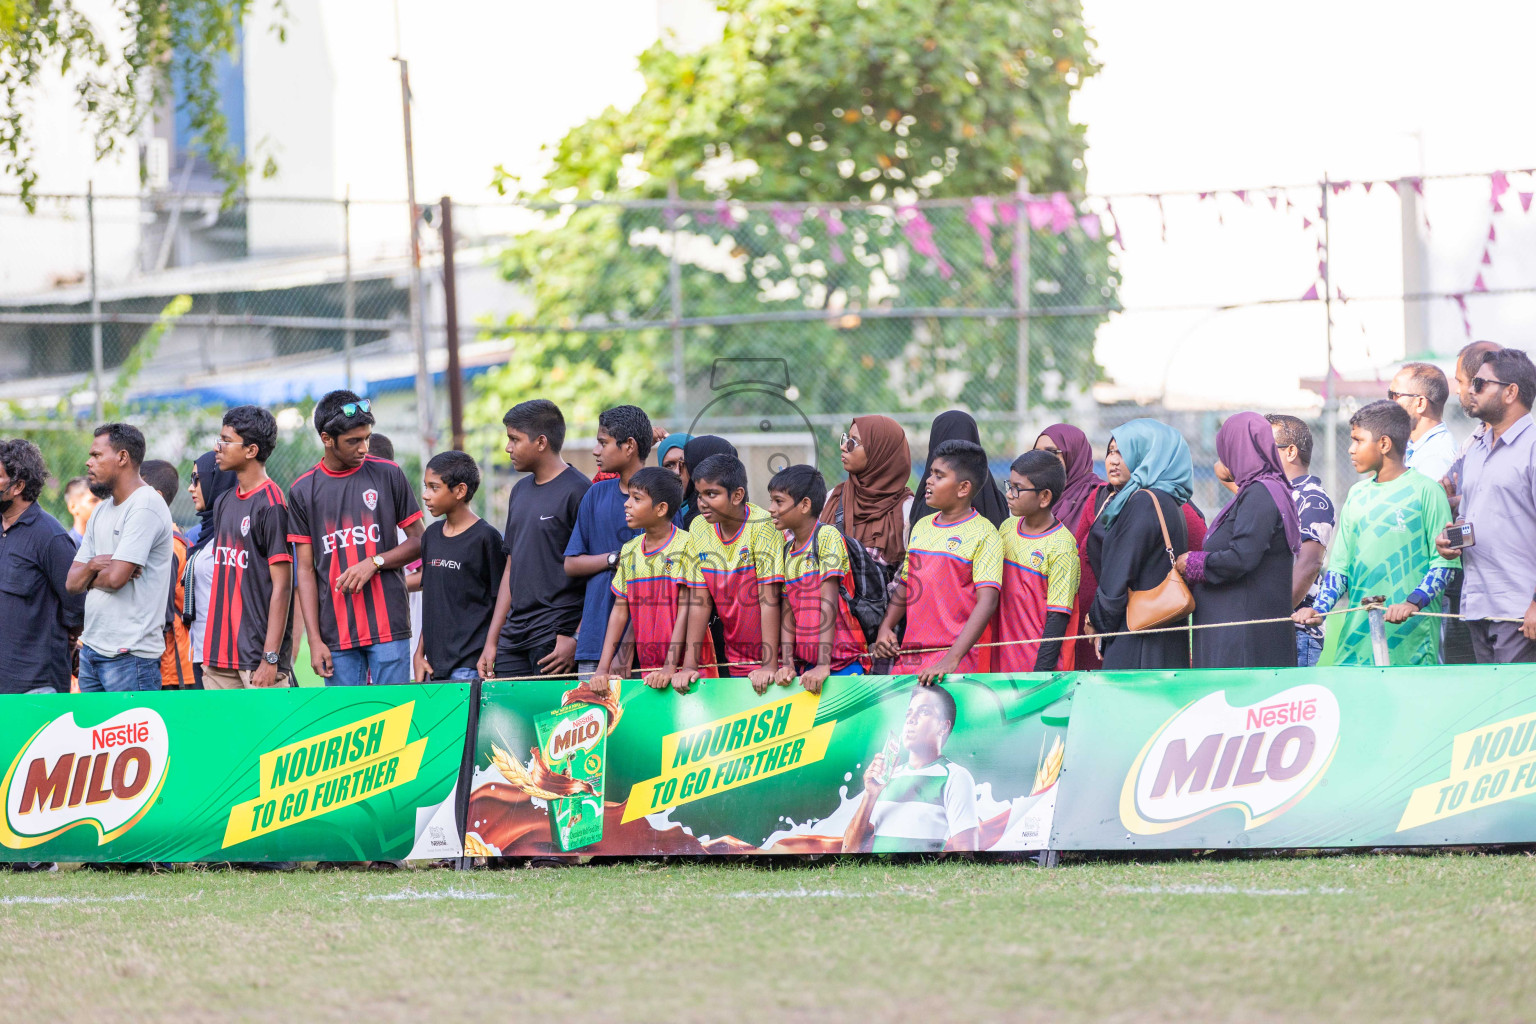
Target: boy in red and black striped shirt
249	642
343	518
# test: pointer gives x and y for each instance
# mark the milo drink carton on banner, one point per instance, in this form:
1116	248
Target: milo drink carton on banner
573	744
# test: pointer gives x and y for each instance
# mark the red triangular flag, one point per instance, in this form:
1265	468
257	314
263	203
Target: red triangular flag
1478	285
1311	295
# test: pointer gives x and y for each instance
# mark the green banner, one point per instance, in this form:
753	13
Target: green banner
873	763
335	773
1300	758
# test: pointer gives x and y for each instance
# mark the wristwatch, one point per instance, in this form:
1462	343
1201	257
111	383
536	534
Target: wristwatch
613	559
270	657
378	561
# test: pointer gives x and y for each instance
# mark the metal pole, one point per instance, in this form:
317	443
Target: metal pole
348	287
451	322
1330	393
98	371
675	290
1021	302
423	378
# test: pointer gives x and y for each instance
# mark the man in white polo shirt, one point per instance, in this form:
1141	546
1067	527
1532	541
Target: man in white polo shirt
1422	390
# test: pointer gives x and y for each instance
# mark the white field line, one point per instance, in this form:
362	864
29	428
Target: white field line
411	895
60	901
1220	890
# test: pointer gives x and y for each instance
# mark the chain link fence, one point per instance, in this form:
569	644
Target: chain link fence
771	323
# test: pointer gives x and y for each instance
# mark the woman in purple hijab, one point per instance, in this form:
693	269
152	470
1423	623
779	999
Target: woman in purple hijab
1244	571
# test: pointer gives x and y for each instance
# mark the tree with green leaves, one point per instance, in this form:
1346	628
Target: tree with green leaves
120	70
863	109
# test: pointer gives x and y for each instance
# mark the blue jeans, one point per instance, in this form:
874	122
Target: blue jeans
853	668
380	664
1308	650
464	675
121	673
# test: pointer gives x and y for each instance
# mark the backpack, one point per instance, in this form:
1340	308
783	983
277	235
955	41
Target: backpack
869	596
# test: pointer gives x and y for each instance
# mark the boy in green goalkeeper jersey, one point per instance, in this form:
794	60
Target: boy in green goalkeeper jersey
1385	546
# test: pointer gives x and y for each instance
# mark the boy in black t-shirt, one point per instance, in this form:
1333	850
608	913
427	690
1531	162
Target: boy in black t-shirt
539	608
462	562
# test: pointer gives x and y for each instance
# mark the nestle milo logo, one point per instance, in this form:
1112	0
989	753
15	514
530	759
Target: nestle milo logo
105	776
1260	759
579	733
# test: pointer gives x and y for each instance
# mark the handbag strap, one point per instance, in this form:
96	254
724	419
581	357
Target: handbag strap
1167	540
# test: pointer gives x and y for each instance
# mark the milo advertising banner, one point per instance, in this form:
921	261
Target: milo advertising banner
335	773
1301	757
872	763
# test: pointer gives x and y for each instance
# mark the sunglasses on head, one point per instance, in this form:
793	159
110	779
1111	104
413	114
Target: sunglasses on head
353	408
1478	383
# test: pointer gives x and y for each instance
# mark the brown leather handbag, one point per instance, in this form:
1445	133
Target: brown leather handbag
1169	600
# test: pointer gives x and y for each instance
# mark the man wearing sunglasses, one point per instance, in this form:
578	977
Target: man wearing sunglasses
1422	390
345	516
1498	502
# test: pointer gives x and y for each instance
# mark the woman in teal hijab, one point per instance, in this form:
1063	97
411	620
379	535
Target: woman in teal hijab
670	455
1155	455
1143	456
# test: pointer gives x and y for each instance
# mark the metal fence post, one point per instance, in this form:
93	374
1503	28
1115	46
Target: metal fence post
1021	303
348	287
675	291
417	297
1330	394
98	370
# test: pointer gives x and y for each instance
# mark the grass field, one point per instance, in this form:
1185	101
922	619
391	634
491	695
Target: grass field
1440	938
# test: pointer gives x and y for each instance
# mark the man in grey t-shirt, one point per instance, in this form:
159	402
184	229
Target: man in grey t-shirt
123	567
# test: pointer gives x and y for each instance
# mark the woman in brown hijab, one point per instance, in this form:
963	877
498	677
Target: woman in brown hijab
871	505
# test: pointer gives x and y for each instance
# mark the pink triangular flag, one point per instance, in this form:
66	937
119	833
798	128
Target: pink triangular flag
1340	293
1461	303
1110	207
1340	186
1418	185
1487	260
1368	185
1205	195
1091	225
1311	295
1493	235
1039	211
1241	194
1498	184
1274	202
1497	207
1305	223
1525	201
1322	268
1395	187
1478	285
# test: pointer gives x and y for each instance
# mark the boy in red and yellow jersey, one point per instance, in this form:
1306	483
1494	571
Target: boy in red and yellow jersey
1040	571
948	587
650	588
737	570
819	636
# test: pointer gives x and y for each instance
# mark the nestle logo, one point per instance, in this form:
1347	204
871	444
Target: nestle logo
1271	715
1259	760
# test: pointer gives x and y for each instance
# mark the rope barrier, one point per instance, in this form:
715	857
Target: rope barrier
1362	607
